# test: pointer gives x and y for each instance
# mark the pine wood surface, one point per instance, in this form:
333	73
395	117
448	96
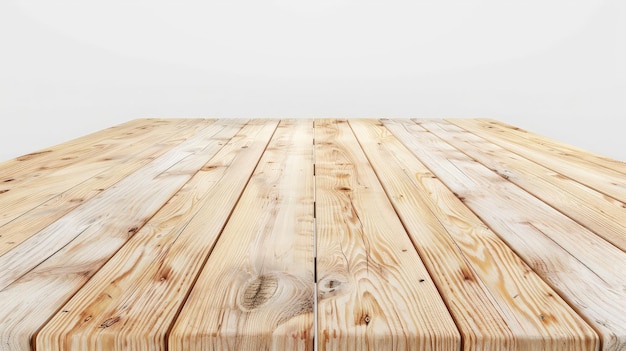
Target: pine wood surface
468	261
603	215
358	234
256	291
374	292
606	180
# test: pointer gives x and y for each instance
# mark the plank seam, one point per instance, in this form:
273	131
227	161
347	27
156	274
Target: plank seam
206	259
83	157
127	159
34	336
564	249
535	138
538	195
315	292
545	280
76	144
456	324
45	259
85	203
498	141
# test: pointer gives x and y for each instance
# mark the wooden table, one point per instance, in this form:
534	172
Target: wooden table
229	234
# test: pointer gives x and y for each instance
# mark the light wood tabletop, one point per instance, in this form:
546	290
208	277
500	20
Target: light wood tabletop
305	234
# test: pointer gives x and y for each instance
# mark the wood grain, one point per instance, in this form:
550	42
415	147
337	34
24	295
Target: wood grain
556	248
256	289
604	216
157	267
47	269
56	176
26	164
460	251
606	181
360	234
374	291
560	149
32	221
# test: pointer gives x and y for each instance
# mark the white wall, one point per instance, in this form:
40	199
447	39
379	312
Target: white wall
69	67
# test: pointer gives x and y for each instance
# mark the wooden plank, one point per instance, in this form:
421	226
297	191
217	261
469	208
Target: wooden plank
58	176
597	254
256	290
66	254
373	290
560	149
586	275
468	262
42	163
606	181
12	170
156	268
30	222
603	216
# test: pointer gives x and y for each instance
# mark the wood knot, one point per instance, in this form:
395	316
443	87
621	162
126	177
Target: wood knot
133	230
345	188
547	318
467	274
331	283
164	273
3	191
109	322
32	155
329	287
9	180
258	292
364	318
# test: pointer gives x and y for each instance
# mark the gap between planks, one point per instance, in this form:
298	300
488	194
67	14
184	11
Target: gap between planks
266	244
583	288
76	260
232	165
206	259
583	204
445	234
315	249
315	287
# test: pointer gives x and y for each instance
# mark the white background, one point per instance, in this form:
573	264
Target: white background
69	67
